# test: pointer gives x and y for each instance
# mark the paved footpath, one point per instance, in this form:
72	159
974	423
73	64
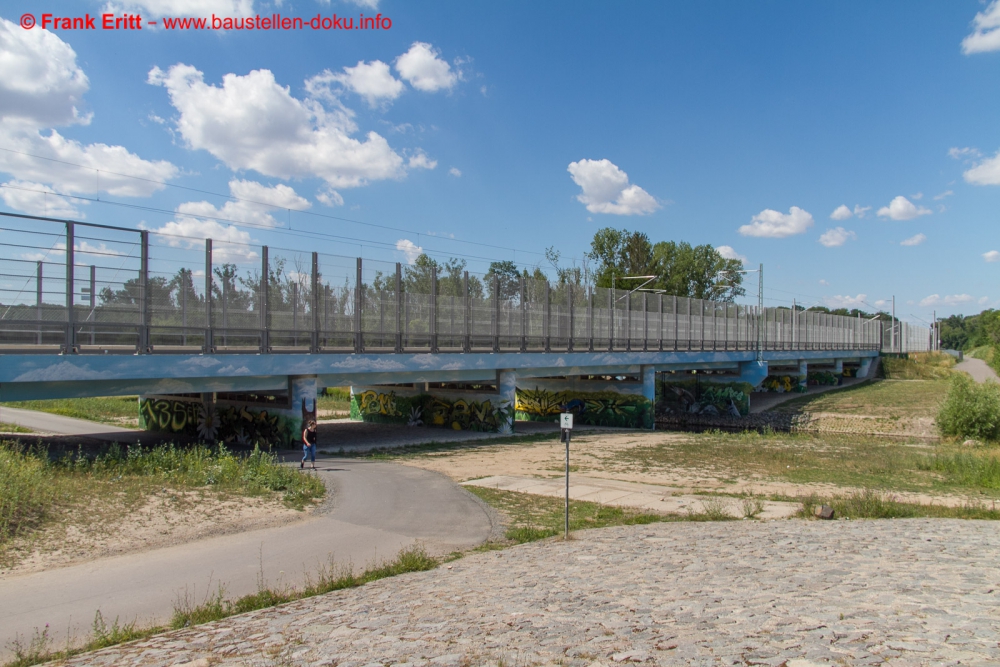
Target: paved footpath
376	510
794	593
978	369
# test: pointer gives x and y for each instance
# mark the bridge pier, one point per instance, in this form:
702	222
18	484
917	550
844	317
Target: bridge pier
507	400
866	366
803	373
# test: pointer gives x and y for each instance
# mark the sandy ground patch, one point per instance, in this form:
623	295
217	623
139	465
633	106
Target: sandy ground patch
593	457
167	518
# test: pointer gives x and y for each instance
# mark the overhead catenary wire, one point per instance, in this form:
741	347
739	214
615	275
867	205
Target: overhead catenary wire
231	197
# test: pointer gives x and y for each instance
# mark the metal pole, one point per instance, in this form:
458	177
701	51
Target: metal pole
38	299
569	288
358	340
611	319
144	293
185	277
892	343
264	342
70	289
659	329
314	294
433	318
676	323
567	432
399	307
760	306
93	303
466	341
547	322
496	313
209	343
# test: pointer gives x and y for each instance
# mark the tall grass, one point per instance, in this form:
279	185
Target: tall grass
32	483
918	366
970	410
25	491
119	410
332	578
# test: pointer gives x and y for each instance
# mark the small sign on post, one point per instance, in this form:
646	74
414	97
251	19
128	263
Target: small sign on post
566	424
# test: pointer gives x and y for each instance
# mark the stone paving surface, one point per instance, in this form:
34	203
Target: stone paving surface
794	593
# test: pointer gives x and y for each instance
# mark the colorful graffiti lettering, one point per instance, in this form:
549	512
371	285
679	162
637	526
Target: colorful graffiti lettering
603	408
459	414
781	384
372	402
711	398
231	424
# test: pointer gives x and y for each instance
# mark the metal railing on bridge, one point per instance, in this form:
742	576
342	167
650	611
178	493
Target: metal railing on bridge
77	288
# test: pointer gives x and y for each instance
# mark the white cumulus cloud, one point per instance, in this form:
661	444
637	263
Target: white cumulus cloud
846	301
606	189
373	81
409	249
251	122
985	35
329	196
776	225
40	82
992	256
42	86
861	210
946	193
902	208
728	252
833	238
424	70
986	172
916	239
841	213
419	160
253	204
947	300
39	199
455	171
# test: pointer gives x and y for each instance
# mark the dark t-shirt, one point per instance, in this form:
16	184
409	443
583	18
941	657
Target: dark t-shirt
310	436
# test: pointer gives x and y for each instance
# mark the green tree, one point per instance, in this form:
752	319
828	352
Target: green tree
508	280
617	253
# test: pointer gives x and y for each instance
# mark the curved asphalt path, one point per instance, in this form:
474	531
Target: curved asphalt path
377	509
978	369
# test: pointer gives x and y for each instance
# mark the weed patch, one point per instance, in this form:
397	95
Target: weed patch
970	409
330	578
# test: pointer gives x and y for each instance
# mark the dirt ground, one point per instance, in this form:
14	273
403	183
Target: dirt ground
168	518
593	457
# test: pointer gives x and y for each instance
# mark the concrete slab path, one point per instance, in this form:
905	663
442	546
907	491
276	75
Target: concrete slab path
649	497
375	510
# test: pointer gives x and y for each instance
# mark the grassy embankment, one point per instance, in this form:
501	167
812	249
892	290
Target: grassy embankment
116	410
37	489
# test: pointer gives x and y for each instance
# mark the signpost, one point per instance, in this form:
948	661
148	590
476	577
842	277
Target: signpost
566	424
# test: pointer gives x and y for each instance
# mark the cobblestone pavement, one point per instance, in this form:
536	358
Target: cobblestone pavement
795	593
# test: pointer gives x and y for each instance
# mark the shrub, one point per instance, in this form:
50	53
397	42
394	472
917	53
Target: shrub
25	493
971	410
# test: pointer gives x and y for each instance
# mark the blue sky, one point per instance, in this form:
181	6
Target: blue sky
851	147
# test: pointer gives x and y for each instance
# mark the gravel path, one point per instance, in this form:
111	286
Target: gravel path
793	593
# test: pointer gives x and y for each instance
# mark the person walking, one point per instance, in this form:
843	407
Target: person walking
309	444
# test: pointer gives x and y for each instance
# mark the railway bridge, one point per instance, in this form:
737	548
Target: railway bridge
234	341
